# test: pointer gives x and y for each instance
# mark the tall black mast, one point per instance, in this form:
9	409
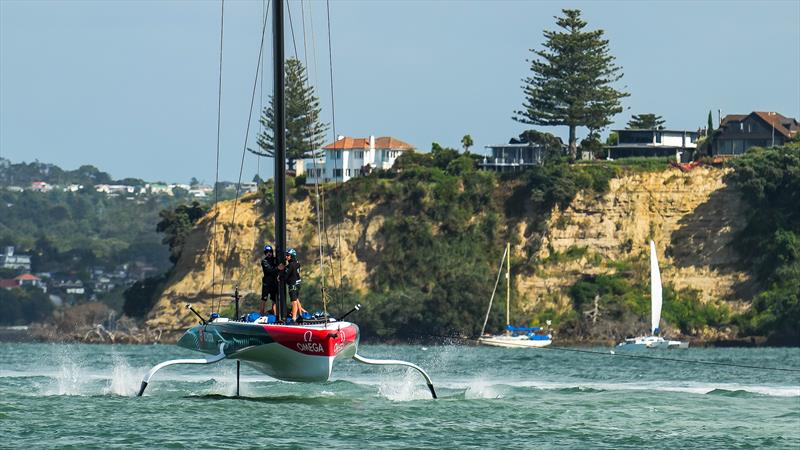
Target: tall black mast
280	148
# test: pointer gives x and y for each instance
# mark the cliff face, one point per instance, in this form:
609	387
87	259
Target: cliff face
198	277
691	216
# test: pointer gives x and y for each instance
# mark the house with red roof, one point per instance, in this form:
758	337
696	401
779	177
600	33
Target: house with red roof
25	279
351	157
738	132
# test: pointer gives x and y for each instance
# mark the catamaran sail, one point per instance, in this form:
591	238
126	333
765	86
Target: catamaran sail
655	291
654	340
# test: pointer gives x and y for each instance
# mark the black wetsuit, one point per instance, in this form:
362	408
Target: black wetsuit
269	282
291	275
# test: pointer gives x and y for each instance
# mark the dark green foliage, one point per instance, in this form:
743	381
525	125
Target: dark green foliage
612	138
555	185
22	174
624	293
684	310
66	231
553	146
648	121
439	244
142	295
710	125
770	242
176	225
467	142
305	133
571	81
25	305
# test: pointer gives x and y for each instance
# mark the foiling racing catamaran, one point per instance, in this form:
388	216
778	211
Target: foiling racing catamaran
277	346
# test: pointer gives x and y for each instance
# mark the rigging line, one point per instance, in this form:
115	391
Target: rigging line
496	283
316	177
326	244
291	28
257	244
216	172
333	120
244	147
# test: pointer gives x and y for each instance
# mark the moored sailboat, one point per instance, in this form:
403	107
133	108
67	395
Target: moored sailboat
514	337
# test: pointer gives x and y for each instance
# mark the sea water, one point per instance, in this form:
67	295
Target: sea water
83	396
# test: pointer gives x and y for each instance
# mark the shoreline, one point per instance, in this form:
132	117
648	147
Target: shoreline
98	335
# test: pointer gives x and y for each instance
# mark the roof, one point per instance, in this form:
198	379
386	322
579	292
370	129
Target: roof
388	142
732	117
786	126
8	283
383	142
27	277
625	130
777	121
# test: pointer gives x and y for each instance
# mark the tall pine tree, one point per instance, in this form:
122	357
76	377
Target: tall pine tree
647	121
710	124
572	78
305	133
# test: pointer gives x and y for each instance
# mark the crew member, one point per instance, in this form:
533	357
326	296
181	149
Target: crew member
269	282
291	276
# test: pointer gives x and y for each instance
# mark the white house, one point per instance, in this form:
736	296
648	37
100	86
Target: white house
351	157
8	260
634	142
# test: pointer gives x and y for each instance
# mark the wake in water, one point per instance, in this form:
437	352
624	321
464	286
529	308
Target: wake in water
83	371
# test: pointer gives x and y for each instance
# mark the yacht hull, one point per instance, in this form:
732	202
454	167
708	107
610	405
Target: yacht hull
286	352
514	341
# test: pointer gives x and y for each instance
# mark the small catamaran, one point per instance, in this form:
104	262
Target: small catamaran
276	346
653	340
518	337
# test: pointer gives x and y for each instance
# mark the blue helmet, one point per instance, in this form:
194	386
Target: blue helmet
267	248
292	252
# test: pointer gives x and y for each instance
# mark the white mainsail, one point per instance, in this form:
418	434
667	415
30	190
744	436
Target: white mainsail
655	290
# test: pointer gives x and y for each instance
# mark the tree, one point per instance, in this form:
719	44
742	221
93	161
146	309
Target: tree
305	133
176	225
648	121
572	78
612	138
466	142
553	146
710	124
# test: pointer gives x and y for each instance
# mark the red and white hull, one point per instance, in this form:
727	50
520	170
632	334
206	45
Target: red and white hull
286	352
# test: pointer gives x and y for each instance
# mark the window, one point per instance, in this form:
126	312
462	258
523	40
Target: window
337	173
359	154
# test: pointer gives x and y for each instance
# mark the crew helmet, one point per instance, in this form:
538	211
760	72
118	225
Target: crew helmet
267	248
292	252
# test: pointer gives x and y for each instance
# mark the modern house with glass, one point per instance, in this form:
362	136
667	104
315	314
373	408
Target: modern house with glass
351	157
637	142
513	157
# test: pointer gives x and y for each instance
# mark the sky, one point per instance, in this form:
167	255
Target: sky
131	86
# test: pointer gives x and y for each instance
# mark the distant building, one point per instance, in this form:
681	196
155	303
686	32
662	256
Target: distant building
27	279
23	280
351	157
41	186
513	157
8	260
657	143
738	132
